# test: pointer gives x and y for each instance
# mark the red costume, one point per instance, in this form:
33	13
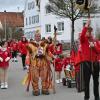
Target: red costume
90	50
58	64
88	54
78	59
14	46
4	54
22	47
72	56
51	48
58	49
66	61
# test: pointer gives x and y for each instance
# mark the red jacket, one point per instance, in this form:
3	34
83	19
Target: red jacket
58	49
78	57
14	46
51	48
4	55
88	54
58	64
22	47
72	56
66	61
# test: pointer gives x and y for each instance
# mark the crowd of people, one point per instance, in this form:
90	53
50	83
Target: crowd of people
38	55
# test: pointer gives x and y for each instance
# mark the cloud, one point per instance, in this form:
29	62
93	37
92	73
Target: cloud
12	5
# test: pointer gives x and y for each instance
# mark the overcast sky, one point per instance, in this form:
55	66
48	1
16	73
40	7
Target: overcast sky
12	5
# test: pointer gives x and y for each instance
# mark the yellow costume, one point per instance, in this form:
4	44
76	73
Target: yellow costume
39	66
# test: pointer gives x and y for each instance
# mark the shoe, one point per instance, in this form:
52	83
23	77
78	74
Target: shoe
16	60
60	80
12	60
36	93
46	92
2	86
6	85
24	68
57	81
97	98
86	99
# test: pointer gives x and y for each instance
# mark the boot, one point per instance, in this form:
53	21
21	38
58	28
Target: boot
45	92
97	98
36	93
86	99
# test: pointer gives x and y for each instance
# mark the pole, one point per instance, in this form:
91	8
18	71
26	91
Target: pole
55	29
5	21
72	26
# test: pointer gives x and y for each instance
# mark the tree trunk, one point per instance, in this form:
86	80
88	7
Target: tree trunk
72	20
72	35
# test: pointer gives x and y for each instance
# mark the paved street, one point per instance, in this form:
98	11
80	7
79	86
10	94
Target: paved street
16	90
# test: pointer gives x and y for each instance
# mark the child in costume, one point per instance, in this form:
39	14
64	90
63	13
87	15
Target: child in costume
4	64
58	69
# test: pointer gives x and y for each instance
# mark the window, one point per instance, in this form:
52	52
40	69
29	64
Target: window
60	26
31	5
85	21
30	20
26	22
35	19
84	24
48	10
48	28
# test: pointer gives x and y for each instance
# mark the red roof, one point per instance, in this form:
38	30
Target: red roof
13	19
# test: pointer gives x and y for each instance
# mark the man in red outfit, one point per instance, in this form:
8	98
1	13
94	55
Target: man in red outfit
23	50
90	52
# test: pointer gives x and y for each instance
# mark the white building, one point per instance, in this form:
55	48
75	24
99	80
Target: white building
44	22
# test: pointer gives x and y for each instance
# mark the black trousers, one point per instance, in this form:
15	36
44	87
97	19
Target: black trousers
23	59
14	54
89	69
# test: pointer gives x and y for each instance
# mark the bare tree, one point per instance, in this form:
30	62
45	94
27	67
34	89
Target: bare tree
69	9
17	33
11	32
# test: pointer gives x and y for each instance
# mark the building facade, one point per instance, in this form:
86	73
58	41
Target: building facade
37	17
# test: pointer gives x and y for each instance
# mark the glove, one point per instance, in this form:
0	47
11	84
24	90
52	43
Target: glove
7	59
91	44
1	60
55	56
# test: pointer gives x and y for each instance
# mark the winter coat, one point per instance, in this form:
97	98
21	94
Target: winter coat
4	54
88	53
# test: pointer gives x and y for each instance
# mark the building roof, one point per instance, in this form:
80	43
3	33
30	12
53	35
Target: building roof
13	19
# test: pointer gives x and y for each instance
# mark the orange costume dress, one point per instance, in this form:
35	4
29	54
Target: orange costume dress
39	66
